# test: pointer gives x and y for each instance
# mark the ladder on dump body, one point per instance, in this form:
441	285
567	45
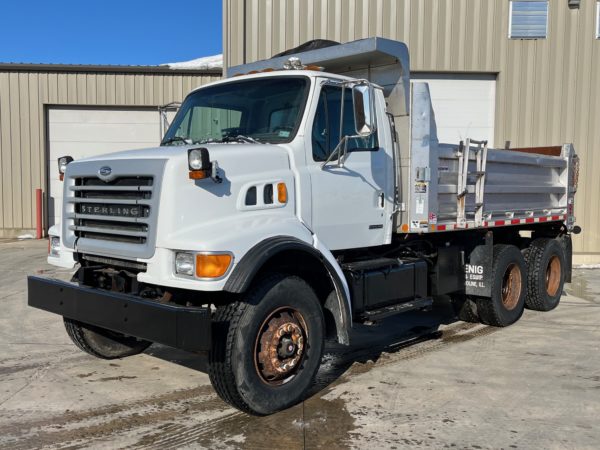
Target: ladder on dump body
463	186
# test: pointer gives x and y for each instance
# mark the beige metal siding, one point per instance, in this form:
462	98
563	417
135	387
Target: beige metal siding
23	96
548	90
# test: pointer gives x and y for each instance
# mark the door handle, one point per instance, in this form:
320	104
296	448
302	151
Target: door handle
381	200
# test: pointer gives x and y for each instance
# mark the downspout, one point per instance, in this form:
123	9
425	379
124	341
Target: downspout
244	32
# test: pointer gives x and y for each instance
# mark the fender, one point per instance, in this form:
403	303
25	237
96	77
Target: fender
244	272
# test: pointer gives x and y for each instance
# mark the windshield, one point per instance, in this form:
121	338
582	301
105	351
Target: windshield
266	110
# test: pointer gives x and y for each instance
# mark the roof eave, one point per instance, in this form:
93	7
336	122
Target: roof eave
27	67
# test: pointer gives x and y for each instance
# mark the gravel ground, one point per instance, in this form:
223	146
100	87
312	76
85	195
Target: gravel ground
419	380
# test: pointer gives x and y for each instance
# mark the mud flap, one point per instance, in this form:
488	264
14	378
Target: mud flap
565	241
478	269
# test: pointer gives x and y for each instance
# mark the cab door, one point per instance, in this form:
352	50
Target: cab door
351	204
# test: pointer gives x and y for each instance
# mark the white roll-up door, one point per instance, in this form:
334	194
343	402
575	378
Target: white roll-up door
464	105
85	132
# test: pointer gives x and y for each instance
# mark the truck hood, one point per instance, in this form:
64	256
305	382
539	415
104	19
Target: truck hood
183	213
174	151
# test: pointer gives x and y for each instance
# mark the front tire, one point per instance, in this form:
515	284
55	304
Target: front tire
509	285
546	274
267	348
101	343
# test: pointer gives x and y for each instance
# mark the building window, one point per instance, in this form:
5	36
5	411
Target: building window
528	19
598	20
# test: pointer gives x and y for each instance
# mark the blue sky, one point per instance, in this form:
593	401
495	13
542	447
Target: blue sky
132	32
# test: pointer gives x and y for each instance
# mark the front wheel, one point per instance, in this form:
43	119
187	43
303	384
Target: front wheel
101	343
268	347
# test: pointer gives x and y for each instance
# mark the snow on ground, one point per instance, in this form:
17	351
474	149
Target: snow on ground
204	63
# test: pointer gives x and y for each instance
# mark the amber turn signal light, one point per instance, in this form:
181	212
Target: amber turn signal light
198	174
281	193
213	265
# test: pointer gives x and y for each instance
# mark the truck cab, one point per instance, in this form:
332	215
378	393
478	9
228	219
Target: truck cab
286	202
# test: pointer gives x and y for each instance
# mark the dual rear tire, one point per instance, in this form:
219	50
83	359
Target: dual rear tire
545	259
532	279
509	286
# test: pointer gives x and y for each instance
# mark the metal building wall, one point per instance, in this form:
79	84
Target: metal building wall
24	95
548	90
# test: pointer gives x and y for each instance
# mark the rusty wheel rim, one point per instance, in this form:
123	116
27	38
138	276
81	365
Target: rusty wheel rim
280	346
511	286
553	276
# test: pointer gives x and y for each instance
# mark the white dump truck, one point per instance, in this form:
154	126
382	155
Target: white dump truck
297	196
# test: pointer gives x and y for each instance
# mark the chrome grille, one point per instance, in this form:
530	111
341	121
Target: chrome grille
114	215
118	210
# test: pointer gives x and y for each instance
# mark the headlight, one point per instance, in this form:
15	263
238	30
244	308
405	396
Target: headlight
184	263
198	159
203	265
54	247
63	161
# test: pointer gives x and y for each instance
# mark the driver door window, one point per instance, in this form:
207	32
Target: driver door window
326	133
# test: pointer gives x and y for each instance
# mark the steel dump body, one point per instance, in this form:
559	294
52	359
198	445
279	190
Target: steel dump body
516	186
436	190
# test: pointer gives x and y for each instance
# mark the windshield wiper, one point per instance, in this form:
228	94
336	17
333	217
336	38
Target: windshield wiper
204	141
248	139
236	138
240	138
175	139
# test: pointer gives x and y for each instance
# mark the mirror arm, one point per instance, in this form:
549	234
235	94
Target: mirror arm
340	150
342	111
345	149
373	110
335	152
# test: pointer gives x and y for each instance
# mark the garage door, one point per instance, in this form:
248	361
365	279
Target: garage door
463	105
82	133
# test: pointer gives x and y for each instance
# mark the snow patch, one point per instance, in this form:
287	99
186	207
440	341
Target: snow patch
586	266
204	63
25	236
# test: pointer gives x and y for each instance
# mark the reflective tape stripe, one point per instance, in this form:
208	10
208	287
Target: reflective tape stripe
500	223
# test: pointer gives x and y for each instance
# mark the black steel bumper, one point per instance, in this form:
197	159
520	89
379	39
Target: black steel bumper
187	328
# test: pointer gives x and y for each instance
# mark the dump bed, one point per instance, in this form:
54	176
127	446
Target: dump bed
468	185
447	186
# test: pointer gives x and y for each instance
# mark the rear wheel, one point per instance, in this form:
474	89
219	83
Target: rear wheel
509	277
267	348
465	308
103	343
546	274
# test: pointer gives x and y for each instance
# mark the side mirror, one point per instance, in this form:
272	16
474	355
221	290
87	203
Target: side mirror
364	114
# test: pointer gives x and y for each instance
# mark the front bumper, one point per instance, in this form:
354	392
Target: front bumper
187	328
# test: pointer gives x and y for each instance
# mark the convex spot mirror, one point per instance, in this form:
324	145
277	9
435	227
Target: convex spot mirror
364	117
